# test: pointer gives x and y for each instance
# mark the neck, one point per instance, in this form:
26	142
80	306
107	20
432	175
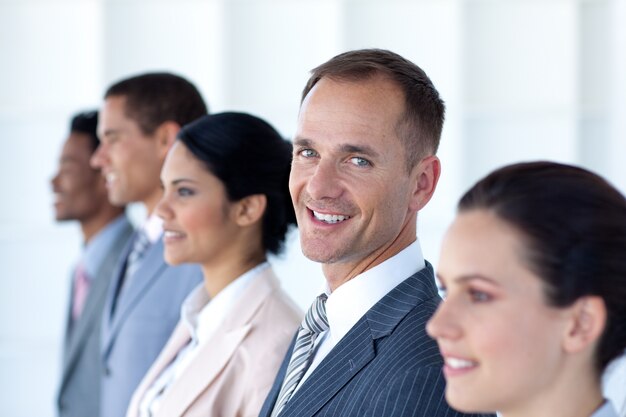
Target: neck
151	201
218	275
573	395
339	273
92	226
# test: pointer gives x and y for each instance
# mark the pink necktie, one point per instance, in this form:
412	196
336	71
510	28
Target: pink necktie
81	289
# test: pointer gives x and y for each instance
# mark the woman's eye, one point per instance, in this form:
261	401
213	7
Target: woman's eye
361	162
185	192
479	296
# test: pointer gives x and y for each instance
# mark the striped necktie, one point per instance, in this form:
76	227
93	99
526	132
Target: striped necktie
314	323
139	249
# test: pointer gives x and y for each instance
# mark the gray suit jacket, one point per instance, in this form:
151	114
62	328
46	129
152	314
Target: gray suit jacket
79	391
134	332
386	365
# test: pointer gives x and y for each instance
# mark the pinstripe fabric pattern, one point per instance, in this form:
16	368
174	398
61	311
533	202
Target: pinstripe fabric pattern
314	323
386	366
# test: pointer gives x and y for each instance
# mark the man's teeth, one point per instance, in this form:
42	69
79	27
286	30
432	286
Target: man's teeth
170	233
456	363
110	177
330	218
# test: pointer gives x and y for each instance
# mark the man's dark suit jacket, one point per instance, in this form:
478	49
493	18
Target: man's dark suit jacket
385	366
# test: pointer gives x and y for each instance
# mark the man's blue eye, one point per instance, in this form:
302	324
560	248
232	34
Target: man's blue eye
359	161
307	153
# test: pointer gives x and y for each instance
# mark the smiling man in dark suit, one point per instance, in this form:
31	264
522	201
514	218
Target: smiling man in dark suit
364	164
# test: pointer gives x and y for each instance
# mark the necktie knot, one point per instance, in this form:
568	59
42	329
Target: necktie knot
140	246
315	319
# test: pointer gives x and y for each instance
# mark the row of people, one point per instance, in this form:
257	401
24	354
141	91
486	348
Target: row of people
194	321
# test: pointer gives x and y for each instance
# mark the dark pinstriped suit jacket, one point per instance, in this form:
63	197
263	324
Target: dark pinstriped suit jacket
385	366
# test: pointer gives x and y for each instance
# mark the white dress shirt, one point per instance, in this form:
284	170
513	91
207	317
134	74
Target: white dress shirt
201	318
153	227
614	384
350	301
606	410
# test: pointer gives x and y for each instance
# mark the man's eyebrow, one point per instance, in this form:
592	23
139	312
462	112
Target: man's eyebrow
302	142
109	132
360	149
345	148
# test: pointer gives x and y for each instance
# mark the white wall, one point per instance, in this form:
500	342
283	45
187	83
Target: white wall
522	79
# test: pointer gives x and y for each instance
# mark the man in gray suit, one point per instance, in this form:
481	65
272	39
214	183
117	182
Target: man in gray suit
139	121
363	165
80	195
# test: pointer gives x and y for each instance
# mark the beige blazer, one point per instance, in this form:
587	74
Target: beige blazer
233	372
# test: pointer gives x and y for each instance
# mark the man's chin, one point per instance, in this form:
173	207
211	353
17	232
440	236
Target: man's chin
320	253
118	200
62	217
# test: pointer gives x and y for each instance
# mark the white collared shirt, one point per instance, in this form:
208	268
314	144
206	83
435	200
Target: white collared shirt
351	300
201	318
153	227
606	410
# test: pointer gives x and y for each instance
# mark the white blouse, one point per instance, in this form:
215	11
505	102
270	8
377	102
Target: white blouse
202	318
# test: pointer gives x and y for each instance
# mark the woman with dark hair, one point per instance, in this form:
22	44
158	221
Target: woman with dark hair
534	275
225	205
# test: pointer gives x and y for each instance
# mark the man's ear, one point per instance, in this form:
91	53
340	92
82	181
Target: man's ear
425	176
587	322
165	136
250	209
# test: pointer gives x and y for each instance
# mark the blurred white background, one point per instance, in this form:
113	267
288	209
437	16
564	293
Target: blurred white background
522	79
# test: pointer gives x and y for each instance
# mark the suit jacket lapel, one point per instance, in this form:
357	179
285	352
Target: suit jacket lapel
145	276
116	280
343	362
214	354
199	375
86	321
356	349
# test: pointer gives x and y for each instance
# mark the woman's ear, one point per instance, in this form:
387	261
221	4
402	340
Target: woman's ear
587	322
250	209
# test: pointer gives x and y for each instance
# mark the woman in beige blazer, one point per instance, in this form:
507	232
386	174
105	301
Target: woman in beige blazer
225	205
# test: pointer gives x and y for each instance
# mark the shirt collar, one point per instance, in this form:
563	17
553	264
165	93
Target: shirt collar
153	227
97	249
202	315
606	410
350	301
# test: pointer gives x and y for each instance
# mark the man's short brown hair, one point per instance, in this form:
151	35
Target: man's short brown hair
420	126
155	98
